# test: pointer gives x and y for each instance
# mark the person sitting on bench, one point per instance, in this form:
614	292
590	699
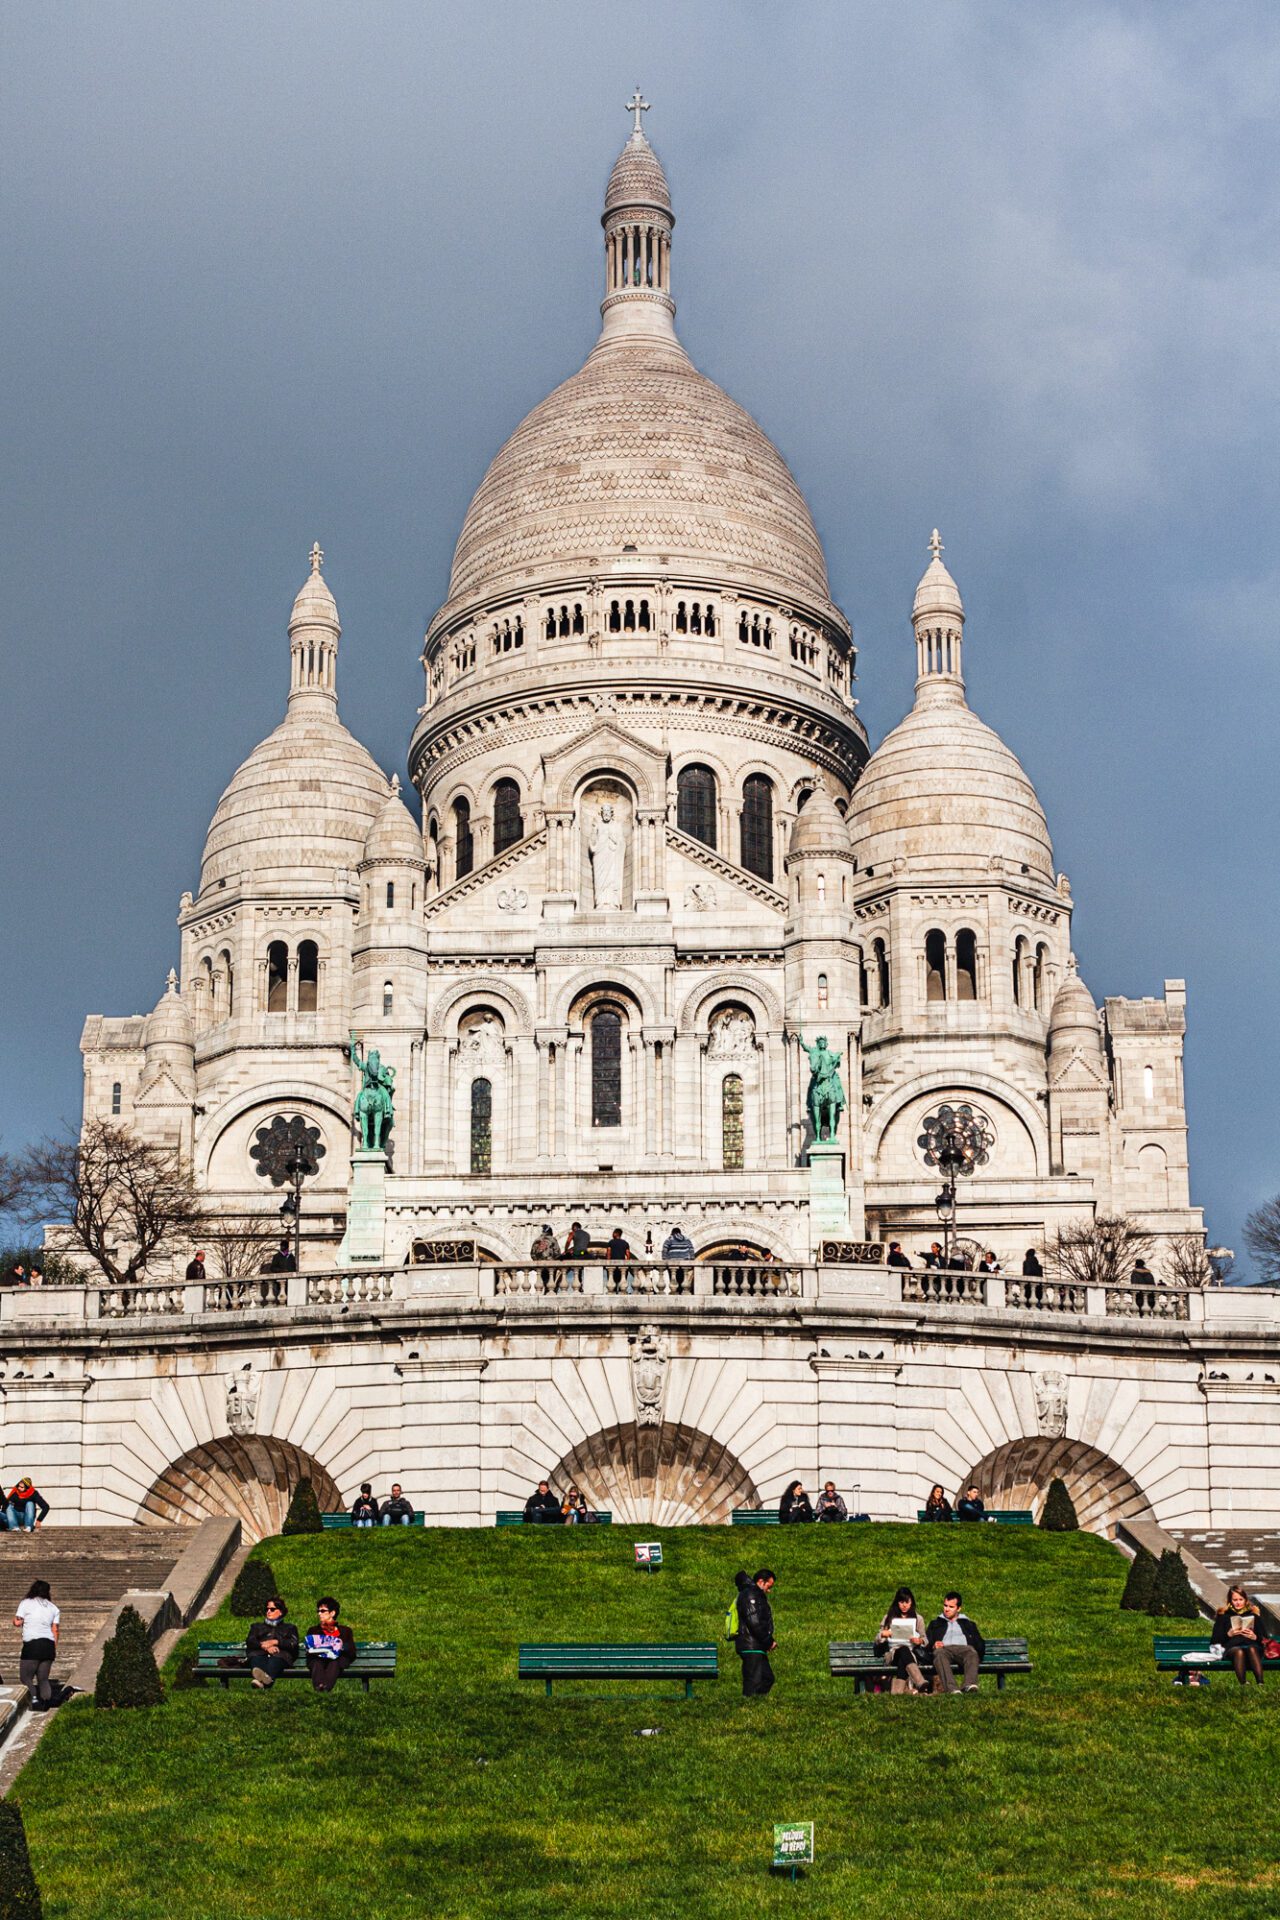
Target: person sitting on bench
364	1509
937	1506
901	1641
970	1505
953	1636
830	1504
271	1644
1238	1628
576	1512
330	1645
397	1511
794	1505
542	1508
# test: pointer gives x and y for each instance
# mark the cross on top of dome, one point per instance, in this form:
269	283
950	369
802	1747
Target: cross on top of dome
637	104
935	544
317	558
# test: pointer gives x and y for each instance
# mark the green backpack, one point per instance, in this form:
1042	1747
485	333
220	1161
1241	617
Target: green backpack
731	1627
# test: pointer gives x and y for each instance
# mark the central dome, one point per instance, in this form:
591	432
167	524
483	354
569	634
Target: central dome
639	452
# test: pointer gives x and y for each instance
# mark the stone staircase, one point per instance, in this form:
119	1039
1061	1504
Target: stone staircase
88	1568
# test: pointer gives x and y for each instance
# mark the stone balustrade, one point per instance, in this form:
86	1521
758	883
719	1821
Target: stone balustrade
748	1281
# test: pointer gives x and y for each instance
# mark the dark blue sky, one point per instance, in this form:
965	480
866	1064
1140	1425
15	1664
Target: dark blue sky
276	274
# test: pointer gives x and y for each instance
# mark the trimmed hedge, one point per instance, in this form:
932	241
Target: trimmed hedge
1172	1597
304	1511
19	1894
1140	1585
1059	1514
255	1584
128	1676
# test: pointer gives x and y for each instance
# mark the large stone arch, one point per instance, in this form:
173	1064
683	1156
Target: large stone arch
759	995
453	1006
1018	1473
257	1105
670	1475
252	1479
981	1088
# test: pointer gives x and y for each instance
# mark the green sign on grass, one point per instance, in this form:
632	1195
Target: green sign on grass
649	1553
793	1844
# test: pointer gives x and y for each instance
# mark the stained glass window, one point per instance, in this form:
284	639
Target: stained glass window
757	825
606	1068
731	1121
481	1126
508	825
696	804
462	846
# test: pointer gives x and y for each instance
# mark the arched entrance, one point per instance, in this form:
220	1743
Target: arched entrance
1018	1475
660	1476
252	1479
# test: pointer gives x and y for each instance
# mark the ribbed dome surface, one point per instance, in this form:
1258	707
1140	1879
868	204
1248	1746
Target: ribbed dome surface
1074	1012
305	798
394	834
943	788
637	179
819	827
169	1023
638	449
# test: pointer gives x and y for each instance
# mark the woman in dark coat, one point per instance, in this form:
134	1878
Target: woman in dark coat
903	1655
271	1644
937	1506
794	1504
331	1647
1238	1628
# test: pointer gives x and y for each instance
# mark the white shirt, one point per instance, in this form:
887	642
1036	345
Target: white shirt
39	1618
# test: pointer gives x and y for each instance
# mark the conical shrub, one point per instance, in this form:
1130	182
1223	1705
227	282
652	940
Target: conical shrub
304	1511
255	1584
1140	1585
19	1894
1059	1515
128	1676
1172	1597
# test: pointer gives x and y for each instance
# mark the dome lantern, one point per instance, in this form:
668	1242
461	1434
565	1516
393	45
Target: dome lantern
313	641
637	222
938	618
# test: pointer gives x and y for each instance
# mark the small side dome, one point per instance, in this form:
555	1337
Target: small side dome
819	828
937	592
170	1023
1073	1020
394	834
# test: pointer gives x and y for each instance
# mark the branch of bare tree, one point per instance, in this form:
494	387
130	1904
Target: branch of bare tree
1098	1253
1190	1265
241	1243
1262	1237
125	1201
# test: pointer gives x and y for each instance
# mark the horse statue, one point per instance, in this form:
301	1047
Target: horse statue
826	1098
373	1109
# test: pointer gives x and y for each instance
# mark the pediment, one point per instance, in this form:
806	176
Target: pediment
604	747
163	1091
1079	1075
702	883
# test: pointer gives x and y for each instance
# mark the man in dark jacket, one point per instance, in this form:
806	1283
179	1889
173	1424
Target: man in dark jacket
397	1511
971	1506
897	1258
542	1508
755	1633
271	1644
951	1637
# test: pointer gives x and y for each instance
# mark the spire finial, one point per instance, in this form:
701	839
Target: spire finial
395	785
637	104
171	984
935	544
317	558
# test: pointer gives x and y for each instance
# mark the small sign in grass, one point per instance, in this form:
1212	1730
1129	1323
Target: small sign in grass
649	1554
793	1845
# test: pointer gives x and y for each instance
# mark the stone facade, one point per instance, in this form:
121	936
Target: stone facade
654	859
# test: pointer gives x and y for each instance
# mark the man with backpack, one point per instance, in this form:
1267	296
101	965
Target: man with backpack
754	1636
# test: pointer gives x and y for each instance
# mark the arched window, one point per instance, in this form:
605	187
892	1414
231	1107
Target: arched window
433	849
731	1136
116	1092
757	825
682	617
388	999
606	1068
880	954
615	617
229	975
966	965
696	804
391	894
1019	968
1038	978
308	976
935	960
463	848
481	1126
277	977
508	823
1148	1083
824	998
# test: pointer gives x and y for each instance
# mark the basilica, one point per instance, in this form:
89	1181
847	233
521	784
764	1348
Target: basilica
656	863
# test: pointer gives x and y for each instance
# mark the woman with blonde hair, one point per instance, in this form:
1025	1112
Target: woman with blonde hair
1238	1629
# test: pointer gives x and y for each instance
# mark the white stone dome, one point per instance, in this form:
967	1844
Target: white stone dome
394	834
944	790
639	451
169	1023
303	802
1074	1017
819	827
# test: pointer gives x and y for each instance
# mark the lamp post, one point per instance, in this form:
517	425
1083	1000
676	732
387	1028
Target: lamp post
956	1141
288	1152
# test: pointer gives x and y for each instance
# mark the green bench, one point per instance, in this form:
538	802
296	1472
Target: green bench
687	1662
514	1517
331	1521
375	1660
1003	1516
1170	1647
858	1660
755	1517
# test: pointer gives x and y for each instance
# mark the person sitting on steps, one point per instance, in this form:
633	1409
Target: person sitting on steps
953	1636
271	1644
364	1508
542	1508
26	1509
397	1511
898	1648
331	1647
1238	1628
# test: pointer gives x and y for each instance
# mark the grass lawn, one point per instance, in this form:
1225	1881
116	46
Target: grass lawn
1087	1788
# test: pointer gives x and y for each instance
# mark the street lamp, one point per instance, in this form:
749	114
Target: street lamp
288	1152
956	1141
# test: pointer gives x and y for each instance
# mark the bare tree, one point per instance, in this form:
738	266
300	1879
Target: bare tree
1190	1265
11	1184
1262	1237
124	1201
241	1243
1097	1253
